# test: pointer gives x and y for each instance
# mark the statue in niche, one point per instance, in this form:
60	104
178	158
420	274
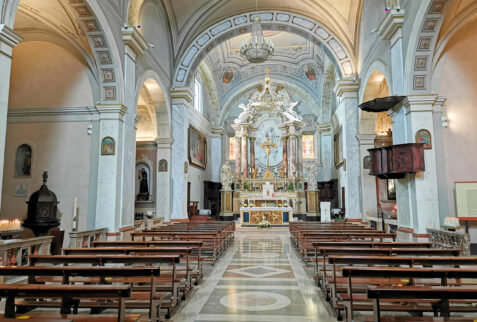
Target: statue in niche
244	116
290	113
23	161
143	194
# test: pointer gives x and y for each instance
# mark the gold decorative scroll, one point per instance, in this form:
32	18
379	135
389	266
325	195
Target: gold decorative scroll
275	217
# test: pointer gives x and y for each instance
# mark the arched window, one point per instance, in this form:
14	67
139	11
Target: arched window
23	161
232	152
308	146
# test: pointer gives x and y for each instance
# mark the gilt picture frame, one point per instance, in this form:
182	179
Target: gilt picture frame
108	146
424	136
197	148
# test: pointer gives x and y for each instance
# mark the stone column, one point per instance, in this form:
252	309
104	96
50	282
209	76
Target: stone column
300	155
417	194
216	153
8	40
347	113
163	182
369	203
135	45
244	129
390	29
252	152
109	200
284	130
182	101
238	155
326	153
292	142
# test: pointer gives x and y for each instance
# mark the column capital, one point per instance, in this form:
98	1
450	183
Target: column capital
420	103
366	139
111	111
133	39
325	129
347	88
164	143
217	131
182	96
392	22
8	40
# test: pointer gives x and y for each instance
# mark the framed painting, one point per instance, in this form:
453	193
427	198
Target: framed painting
108	146
163	165
23	161
338	148
424	136
197	148
367	162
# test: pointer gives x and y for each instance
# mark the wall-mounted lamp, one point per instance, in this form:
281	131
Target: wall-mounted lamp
445	121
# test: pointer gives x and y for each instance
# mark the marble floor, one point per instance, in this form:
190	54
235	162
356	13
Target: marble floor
260	278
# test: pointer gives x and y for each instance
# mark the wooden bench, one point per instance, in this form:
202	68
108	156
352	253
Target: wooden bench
144	297
54	317
109	292
442	294
393	276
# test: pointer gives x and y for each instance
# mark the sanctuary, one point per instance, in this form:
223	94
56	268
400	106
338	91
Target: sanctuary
268	181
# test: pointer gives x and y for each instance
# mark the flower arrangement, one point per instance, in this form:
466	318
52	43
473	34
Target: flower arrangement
264	223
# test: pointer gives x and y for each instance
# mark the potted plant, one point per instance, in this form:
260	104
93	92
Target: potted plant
264	223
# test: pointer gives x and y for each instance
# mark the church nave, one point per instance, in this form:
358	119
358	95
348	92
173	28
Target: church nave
260	278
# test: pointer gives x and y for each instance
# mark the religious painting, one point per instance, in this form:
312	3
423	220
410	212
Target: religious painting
197	148
310	72
424	136
162	165
108	146
228	76
23	161
367	162
338	148
143	182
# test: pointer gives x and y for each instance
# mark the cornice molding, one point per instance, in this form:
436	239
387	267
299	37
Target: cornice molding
393	21
8	40
134	39
347	86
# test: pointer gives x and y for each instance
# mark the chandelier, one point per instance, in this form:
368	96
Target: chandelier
257	49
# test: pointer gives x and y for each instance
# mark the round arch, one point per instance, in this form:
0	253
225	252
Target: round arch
272	20
101	40
151	80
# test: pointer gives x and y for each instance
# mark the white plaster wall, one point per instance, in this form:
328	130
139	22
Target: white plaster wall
459	83
61	148
39	80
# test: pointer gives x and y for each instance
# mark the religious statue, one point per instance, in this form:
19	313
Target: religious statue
281	171
226	176
254	173
311	170
143	186
247	112
290	113
267	146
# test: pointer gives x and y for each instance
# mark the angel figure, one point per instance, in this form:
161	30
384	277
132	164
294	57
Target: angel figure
247	112
290	113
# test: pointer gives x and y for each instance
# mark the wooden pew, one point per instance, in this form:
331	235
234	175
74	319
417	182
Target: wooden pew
94	275
443	294
379	276
196	273
13	291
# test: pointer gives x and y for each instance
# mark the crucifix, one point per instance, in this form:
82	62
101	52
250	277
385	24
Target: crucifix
266	146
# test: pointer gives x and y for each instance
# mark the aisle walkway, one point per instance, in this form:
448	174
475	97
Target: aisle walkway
259	279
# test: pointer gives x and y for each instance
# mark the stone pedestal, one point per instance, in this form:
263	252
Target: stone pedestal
312	205
226	208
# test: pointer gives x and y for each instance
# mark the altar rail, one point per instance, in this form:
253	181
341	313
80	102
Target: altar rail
450	239
84	238
14	252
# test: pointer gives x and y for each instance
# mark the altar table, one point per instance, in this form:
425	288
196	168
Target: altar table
277	216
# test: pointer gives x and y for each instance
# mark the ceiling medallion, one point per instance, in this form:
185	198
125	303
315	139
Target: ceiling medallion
257	49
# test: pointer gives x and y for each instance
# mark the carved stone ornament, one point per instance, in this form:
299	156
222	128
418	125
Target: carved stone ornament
450	239
311	170
226	176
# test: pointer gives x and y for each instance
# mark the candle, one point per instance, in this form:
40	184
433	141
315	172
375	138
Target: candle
75	214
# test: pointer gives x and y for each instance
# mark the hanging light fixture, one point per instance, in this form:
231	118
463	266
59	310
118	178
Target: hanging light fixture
257	49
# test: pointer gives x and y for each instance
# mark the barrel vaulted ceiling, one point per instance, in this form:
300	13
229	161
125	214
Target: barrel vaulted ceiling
189	17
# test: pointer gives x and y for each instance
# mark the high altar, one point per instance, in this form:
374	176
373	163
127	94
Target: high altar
267	180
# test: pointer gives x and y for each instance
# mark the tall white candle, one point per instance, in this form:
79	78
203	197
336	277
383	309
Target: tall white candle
75	214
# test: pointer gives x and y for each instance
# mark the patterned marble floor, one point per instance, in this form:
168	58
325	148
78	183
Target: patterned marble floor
260	278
